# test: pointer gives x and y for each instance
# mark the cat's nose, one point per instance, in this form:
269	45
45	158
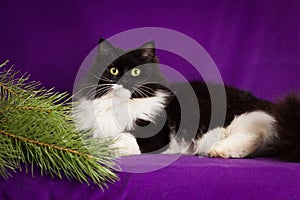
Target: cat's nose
124	79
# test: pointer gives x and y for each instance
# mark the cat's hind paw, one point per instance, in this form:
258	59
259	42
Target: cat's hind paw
221	151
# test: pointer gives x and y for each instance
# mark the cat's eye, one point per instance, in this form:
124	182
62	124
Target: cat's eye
135	72
114	71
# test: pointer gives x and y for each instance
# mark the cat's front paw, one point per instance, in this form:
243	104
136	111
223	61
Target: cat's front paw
126	145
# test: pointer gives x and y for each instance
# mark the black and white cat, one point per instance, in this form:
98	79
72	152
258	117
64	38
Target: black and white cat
133	102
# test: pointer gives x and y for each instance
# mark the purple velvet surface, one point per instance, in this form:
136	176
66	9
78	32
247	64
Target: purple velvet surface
255	44
189	177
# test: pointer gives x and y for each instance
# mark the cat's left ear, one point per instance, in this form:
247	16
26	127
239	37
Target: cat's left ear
148	50
104	46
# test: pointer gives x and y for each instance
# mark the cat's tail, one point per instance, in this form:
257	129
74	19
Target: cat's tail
287	114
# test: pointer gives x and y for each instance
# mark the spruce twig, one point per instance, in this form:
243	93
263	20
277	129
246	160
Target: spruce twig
37	129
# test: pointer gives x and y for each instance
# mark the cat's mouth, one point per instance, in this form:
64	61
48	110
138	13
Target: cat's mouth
121	92
124	92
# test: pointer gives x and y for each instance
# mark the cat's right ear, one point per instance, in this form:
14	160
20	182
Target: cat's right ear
104	46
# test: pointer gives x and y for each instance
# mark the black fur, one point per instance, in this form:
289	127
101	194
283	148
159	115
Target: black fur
287	114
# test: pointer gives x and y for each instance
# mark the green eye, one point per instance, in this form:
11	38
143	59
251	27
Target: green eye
135	72
114	71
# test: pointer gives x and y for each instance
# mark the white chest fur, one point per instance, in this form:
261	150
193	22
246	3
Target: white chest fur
115	113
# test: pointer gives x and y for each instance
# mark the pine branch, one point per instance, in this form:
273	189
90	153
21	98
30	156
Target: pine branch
37	129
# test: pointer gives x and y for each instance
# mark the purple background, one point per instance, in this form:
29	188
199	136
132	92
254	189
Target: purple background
255	44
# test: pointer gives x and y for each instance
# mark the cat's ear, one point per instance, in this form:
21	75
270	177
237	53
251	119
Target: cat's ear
148	50
104	46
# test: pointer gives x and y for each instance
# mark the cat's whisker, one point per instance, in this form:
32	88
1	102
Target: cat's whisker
146	88
144	91
140	92
102	86
85	91
91	93
144	85
153	82
94	92
105	84
106	79
94	75
97	87
135	91
103	91
86	86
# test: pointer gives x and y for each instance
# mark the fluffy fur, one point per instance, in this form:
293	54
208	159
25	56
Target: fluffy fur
131	102
247	134
287	114
115	113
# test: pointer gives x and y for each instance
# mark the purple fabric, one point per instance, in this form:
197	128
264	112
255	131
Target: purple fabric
189	177
255	44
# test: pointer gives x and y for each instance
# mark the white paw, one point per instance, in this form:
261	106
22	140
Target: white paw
246	135
126	145
227	151
236	145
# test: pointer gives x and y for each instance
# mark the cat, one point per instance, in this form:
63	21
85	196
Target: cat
132	101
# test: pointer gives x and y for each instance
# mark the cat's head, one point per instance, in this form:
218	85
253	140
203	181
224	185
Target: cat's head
135	72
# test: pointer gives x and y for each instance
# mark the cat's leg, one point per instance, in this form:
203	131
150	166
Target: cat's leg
203	145
178	146
196	146
126	144
247	134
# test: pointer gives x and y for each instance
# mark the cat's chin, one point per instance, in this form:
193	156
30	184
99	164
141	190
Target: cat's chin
121	92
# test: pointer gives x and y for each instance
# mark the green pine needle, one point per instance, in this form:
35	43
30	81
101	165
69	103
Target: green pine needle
37	130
